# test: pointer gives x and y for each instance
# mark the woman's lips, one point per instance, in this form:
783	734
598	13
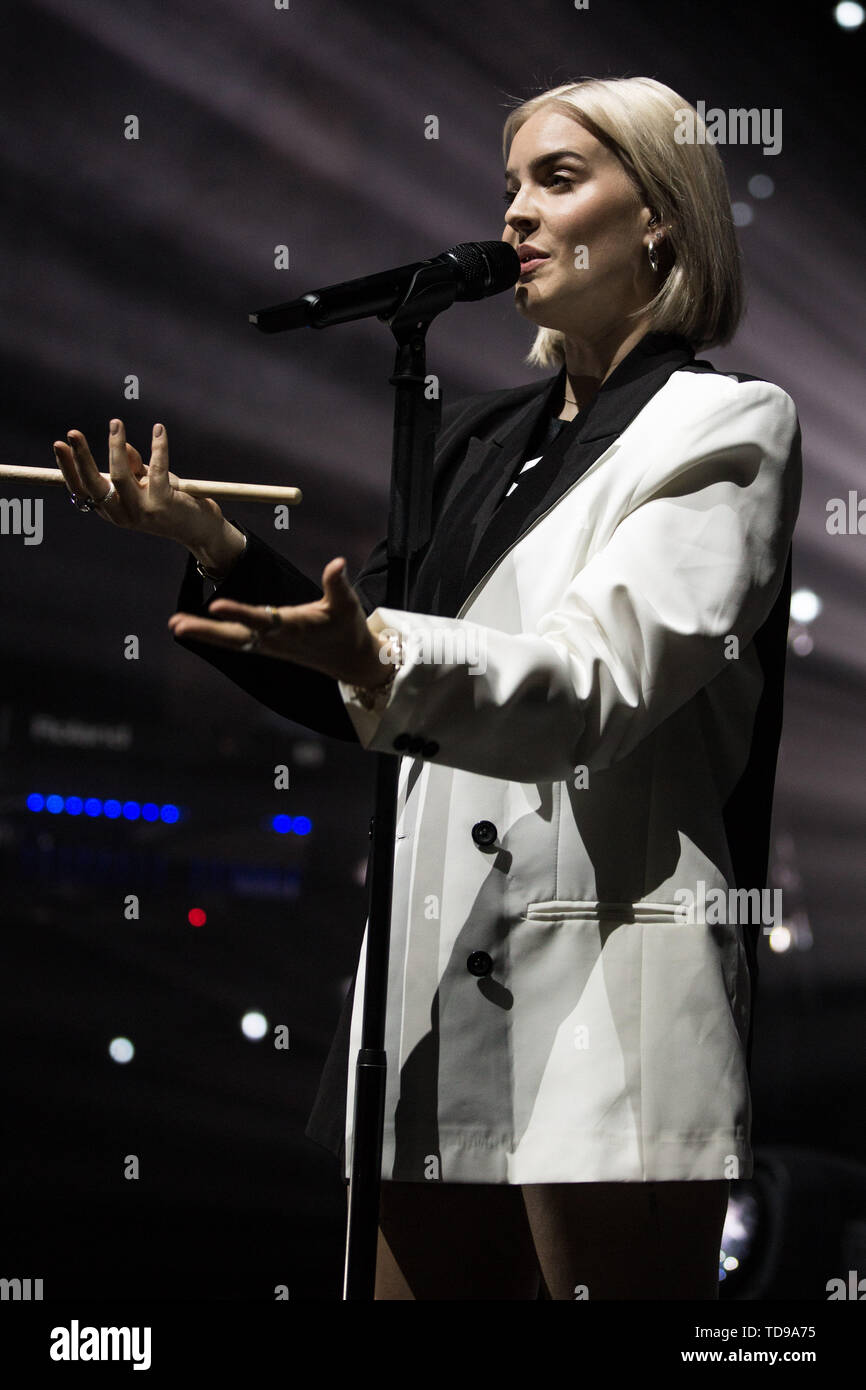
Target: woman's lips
529	266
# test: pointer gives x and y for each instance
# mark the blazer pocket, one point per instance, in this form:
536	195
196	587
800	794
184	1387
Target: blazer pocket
588	910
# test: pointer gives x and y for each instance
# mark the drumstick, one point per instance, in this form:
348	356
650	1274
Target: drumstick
196	487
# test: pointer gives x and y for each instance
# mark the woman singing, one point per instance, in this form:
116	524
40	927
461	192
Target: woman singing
585	695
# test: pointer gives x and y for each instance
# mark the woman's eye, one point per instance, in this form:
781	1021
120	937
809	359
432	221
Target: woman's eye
561	179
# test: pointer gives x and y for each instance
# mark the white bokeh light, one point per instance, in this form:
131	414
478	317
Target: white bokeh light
805	606
780	939
121	1050
849	15
254	1025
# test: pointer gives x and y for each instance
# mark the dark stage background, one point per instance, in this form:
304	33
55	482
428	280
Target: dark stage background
142	258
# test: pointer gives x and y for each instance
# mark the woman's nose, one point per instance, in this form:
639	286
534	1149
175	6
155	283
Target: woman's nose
519	217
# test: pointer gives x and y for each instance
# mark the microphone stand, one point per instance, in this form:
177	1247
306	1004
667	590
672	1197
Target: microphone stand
416	422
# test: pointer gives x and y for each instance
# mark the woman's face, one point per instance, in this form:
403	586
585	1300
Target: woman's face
570	197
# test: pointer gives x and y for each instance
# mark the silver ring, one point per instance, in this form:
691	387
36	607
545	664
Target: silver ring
253	642
274	619
112	492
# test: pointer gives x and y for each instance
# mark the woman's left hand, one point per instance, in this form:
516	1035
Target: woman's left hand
330	635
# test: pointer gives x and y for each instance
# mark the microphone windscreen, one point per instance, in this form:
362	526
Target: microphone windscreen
485	268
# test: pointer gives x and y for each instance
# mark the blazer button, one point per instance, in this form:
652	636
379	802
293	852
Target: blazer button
401	741
415	744
479	963
484	832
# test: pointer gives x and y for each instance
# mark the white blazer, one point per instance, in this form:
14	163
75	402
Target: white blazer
584	718
590	735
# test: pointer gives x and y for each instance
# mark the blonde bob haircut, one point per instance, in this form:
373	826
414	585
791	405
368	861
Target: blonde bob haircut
702	294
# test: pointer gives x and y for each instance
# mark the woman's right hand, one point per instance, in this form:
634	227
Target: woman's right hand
147	496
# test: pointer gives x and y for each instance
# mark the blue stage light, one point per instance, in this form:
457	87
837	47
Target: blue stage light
303	825
114	809
282	824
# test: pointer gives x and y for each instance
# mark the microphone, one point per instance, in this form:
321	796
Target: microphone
475	269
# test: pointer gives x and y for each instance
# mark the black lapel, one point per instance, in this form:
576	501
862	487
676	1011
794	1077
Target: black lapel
503	520
437	586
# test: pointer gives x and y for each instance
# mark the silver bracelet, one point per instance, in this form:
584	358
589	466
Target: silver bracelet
370	696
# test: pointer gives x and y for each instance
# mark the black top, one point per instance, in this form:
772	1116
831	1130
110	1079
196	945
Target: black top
552	426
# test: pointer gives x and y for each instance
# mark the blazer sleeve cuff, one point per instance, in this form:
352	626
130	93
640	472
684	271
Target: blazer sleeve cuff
378	727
